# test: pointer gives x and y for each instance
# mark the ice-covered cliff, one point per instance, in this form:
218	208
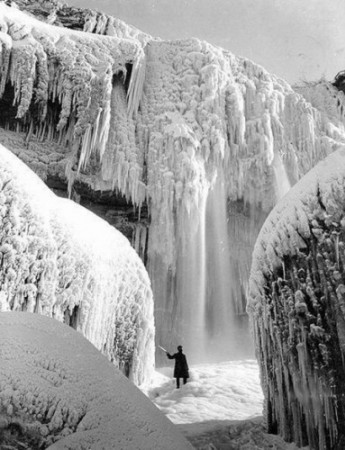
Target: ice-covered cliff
60	260
59	392
207	141
297	306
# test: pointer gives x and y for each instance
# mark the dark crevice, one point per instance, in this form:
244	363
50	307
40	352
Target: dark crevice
129	68
319	199
307	249
339	81
8	111
72	318
124	77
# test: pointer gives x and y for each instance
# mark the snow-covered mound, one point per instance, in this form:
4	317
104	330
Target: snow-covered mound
59	392
60	260
297	305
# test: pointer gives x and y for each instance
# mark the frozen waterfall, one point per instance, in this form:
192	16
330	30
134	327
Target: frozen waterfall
201	312
207	142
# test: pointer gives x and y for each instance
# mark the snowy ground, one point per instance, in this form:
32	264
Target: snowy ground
219	408
224	391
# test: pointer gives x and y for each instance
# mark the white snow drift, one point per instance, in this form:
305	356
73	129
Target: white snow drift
55	384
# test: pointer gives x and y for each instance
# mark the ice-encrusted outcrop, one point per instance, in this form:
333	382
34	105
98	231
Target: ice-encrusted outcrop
58	392
207	140
60	260
329	101
297	307
56	12
60	82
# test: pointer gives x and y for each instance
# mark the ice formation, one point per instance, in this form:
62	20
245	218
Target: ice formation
58	392
207	140
297	306
60	260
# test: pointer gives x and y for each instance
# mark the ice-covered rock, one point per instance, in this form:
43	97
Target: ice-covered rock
329	101
297	307
58	392
60	260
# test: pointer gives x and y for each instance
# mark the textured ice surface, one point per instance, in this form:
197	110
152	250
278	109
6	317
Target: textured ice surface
209	140
60	260
58	389
297	305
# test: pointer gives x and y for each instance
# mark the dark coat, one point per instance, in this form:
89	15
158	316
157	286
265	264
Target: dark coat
181	366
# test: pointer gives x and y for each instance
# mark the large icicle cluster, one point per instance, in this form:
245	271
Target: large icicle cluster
297	306
60	260
61	82
58	392
189	129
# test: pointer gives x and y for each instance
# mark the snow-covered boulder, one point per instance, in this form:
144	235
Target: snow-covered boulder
60	260
297	306
58	392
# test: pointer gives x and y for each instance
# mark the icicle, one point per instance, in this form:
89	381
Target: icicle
136	84
105	117
95	131
140	239
6	47
86	149
41	90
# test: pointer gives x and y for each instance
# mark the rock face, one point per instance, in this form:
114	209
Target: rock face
297	306
62	261
198	143
59	392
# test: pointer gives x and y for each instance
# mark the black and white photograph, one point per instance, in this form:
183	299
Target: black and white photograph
172	224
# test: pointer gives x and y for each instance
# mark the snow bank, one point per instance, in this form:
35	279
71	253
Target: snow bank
58	389
60	260
296	302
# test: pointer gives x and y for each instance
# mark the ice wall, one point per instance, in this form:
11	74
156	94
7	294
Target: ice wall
296	303
60	260
207	140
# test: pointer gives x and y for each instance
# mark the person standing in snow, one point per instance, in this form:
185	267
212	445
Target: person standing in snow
181	366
